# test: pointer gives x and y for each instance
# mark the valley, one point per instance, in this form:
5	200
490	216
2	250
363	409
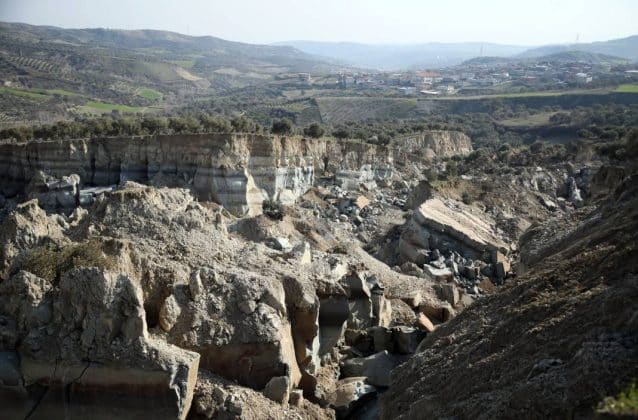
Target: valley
195	228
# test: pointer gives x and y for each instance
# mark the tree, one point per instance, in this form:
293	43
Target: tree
216	124
282	126
154	125
314	130
341	133
242	124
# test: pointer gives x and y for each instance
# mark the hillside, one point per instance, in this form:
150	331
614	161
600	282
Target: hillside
553	344
624	47
101	70
567	56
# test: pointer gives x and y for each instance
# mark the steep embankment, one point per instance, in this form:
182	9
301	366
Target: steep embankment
553	344
236	170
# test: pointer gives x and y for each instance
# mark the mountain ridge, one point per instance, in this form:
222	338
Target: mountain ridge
441	54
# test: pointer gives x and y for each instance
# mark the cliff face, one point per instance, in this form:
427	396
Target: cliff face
236	170
442	143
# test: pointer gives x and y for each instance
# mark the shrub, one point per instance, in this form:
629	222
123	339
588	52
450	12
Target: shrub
341	133
273	209
282	126
536	147
50	262
314	130
623	405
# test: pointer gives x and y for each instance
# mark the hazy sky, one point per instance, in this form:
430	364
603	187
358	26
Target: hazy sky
528	22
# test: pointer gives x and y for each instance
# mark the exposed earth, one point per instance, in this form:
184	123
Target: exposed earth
253	276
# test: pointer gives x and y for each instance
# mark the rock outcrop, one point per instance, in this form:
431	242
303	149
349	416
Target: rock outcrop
236	170
126	285
76	344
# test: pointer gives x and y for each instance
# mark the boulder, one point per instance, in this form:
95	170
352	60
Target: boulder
296	398
240	327
406	339
376	367
438	274
93	315
54	194
361	202
280	243
169	313
350	393
278	389
424	323
502	266
450	293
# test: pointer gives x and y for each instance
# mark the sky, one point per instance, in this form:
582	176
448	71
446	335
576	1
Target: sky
520	22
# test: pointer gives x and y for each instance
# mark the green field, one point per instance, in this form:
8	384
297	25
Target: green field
150	94
60	92
106	107
629	88
23	93
527	94
532	120
187	64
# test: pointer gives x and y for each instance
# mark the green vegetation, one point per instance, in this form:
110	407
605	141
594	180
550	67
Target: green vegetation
150	94
628	88
187	64
117	125
548	93
23	93
50	262
60	92
624	404
314	130
106	107
536	119
282	126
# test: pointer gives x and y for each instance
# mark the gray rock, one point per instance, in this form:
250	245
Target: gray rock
376	368
406	339
280	243
296	398
278	389
350	393
450	293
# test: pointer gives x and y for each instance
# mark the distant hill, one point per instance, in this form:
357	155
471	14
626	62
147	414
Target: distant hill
488	61
559	57
583	56
53	71
397	57
624	48
434	55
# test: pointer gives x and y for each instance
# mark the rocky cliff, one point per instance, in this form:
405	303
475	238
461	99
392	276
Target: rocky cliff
237	170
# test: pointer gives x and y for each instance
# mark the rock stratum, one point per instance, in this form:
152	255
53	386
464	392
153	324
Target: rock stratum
238	171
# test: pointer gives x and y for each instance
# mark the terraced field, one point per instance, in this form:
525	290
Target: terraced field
342	109
95	107
43	66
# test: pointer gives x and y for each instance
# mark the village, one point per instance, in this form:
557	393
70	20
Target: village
484	75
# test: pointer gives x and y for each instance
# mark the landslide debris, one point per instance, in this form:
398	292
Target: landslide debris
553	343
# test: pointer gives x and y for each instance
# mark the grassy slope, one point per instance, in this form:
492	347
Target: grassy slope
629	88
